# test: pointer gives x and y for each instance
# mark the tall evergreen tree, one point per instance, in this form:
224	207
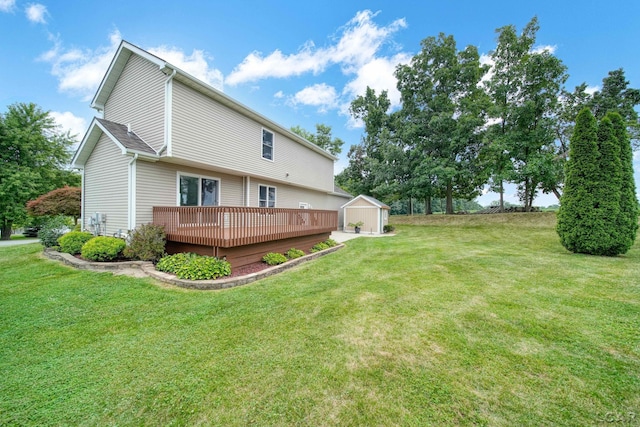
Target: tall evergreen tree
628	224
605	233
576	216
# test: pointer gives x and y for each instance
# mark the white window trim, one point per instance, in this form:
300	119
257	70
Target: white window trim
275	202
195	175
273	145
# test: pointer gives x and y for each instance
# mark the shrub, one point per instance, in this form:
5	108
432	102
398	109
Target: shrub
103	248
273	258
73	241
147	243
170	263
194	267
294	253
204	268
51	230
319	247
330	243
388	228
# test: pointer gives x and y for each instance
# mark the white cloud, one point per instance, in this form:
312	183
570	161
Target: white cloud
67	121
320	95
195	64
7	5
592	89
545	48
80	72
378	74
36	13
278	95
360	41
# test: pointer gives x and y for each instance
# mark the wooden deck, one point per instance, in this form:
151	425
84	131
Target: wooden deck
228	227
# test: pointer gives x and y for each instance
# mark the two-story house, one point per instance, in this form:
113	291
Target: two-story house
222	178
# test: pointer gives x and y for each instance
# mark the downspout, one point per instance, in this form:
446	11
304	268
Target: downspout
132	192
82	199
168	110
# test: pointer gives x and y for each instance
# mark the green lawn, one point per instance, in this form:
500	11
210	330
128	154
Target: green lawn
466	320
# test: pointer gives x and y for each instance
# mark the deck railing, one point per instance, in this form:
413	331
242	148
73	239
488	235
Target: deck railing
237	226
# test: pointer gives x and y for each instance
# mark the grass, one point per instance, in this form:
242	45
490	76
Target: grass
466	320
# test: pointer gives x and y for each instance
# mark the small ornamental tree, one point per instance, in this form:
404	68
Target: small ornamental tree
576	216
61	201
628	220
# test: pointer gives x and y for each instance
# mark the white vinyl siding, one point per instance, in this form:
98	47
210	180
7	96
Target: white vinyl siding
138	99
207	132
106	185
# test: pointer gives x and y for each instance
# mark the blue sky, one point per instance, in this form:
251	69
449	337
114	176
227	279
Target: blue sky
299	63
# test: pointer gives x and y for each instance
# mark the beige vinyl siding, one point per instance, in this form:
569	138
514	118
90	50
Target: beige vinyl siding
208	132
362	202
106	179
138	99
157	185
368	215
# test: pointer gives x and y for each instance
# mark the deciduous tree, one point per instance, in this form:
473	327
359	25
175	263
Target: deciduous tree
61	201
33	157
322	138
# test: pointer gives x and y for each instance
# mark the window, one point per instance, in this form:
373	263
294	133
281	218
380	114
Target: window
267	196
198	191
267	144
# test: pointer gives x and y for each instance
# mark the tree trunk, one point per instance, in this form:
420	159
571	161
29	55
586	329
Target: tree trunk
427	206
449	205
557	193
501	196
411	206
6	230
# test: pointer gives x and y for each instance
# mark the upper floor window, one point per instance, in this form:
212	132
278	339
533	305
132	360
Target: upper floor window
267	144
266	196
198	191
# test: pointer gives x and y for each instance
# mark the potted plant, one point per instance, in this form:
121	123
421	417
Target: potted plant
356	226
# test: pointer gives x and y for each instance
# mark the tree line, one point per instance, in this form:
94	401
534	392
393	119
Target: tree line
463	124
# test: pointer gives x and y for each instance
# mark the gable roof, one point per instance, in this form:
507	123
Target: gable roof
127	141
126	49
369	199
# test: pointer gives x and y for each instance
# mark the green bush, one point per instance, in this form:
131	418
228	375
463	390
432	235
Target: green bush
103	248
147	243
294	253
319	247
194	267
273	258
170	263
204	268
330	243
388	228
52	230
73	241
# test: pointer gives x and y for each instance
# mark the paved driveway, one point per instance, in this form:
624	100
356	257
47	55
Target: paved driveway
4	243
341	236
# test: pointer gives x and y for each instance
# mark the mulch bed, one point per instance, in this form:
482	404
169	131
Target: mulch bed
248	269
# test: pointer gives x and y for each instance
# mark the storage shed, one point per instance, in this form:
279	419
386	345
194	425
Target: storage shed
372	213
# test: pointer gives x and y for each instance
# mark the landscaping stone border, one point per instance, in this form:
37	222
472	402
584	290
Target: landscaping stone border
149	269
